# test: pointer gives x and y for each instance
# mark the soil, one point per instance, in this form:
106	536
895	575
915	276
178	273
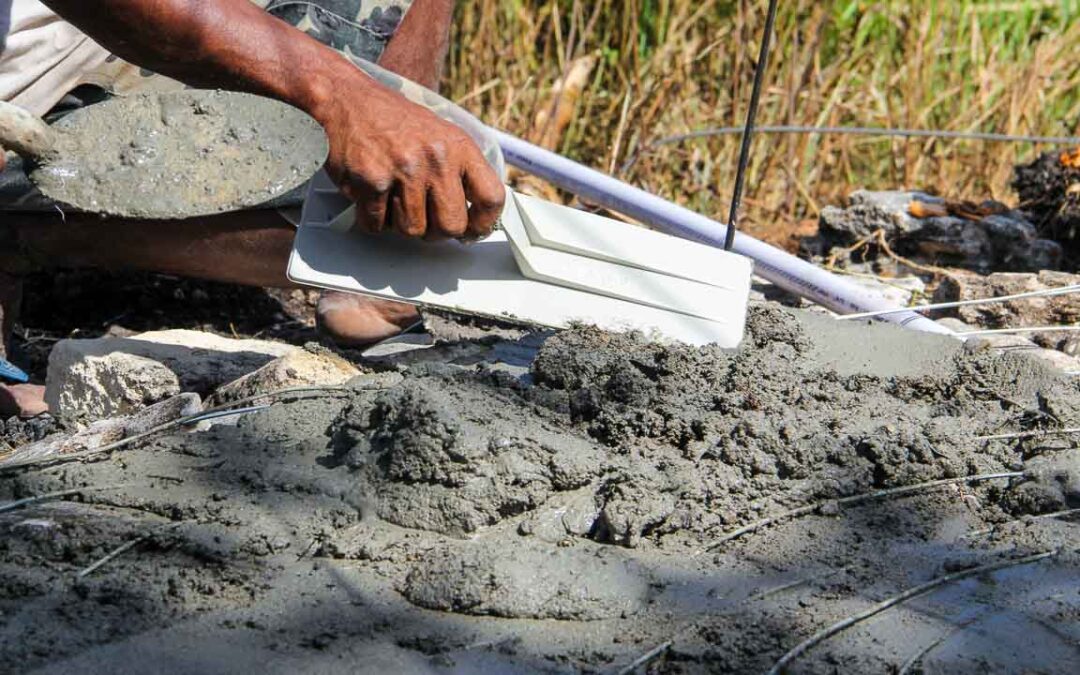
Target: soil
1049	190
153	155
567	512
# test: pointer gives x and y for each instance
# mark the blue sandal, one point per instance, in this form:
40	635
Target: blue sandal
9	372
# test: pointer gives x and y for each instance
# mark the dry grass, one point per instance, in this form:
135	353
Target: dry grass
663	67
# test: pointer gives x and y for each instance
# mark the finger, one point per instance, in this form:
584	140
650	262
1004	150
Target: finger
487	195
448	212
3	160
372	207
408	209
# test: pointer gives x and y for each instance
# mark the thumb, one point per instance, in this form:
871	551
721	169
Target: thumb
3	159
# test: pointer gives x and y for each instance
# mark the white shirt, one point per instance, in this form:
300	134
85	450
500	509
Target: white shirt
43	57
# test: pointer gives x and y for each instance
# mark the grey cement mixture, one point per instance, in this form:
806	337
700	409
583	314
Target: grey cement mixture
180	154
473	514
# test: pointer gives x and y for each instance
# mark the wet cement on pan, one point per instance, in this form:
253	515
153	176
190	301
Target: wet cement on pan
475	514
181	154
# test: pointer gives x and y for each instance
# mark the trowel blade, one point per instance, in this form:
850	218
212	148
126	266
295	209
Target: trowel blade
181	154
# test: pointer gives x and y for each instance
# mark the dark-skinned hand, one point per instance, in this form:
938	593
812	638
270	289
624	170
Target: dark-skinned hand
408	170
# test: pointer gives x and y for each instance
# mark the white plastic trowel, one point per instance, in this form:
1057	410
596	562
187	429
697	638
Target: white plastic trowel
548	265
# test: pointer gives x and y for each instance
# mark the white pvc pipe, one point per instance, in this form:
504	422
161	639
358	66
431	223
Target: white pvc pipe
781	268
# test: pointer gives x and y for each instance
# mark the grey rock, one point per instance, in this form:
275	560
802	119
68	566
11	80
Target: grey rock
96	379
1007	241
1042	311
295	369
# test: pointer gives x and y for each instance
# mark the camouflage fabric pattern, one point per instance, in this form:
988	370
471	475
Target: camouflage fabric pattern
357	28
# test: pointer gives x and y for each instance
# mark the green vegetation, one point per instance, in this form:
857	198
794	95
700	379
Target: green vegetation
666	67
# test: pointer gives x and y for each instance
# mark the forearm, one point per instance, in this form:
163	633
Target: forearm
230	44
406	168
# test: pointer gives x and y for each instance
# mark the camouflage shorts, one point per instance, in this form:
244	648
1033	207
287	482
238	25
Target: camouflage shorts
359	28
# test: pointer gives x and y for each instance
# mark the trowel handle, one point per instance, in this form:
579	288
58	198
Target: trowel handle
25	132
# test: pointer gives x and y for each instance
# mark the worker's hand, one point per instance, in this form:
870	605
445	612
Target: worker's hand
408	170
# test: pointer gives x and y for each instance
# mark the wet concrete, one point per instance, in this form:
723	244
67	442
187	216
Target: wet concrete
561	517
180	154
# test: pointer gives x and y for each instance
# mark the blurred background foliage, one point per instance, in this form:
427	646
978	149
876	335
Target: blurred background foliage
603	81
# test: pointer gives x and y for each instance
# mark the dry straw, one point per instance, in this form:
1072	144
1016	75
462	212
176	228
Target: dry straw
680	66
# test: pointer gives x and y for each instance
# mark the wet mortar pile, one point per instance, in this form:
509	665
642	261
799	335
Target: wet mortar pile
466	511
180	154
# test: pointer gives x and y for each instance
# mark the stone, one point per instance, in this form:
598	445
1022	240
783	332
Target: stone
111	376
1006	341
1072	346
901	291
573	517
296	369
1044	311
82	387
1004	240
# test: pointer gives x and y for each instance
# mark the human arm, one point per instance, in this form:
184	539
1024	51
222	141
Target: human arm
406	168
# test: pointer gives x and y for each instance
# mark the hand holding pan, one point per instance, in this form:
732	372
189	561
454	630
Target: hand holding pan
168	155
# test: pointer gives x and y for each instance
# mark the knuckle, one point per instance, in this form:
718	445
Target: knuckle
438	155
493	201
407	163
370	175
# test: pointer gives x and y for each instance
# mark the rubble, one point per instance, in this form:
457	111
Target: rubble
1002	240
111	376
107	431
1049	190
301	368
1057	360
1046	311
88	383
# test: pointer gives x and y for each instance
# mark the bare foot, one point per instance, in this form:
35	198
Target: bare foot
356	321
24	400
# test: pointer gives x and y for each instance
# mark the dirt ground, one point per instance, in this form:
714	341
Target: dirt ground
566	503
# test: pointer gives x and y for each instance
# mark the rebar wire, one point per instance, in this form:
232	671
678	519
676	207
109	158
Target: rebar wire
1046	433
751	118
1023	329
922	589
851	131
1046	293
206	417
